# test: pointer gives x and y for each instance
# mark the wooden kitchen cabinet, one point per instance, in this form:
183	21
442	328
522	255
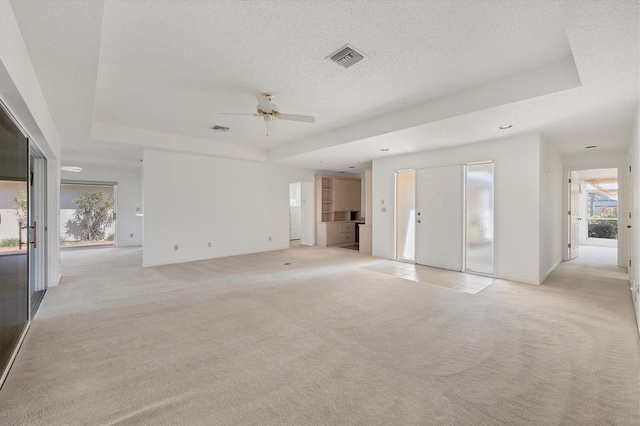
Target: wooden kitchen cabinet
336	200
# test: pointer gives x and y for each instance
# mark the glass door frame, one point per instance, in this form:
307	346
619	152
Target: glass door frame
396	215
38	220
4	369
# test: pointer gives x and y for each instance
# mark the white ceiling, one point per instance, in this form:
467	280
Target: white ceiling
120	76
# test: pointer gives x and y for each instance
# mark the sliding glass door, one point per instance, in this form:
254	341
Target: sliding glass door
405	215
14	237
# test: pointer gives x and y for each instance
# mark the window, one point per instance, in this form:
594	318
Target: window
602	208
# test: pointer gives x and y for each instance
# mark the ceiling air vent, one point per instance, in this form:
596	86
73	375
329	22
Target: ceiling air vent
346	56
220	128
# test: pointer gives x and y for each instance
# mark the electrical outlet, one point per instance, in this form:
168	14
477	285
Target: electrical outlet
384	210
209	243
175	247
131	235
269	238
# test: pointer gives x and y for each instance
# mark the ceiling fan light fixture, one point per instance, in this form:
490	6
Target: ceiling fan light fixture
270	112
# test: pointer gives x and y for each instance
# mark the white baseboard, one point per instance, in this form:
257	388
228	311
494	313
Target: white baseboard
555	265
55	282
197	259
520	280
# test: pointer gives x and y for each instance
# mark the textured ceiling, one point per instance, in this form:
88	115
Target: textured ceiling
170	68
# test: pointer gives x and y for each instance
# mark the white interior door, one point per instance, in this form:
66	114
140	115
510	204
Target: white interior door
574	217
439	217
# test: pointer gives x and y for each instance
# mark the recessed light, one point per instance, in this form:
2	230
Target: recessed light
73	169
506	126
317	161
384	149
591	146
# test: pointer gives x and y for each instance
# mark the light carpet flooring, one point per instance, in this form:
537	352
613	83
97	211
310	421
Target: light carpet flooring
311	336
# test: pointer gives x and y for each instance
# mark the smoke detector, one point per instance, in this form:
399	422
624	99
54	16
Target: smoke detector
346	56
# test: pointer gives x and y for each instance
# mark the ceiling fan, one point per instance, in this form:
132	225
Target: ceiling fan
270	111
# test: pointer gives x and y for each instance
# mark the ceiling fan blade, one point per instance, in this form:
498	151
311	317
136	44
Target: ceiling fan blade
263	101
239	113
295	117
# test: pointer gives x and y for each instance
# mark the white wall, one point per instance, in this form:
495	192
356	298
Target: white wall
127	199
551	189
20	91
236	205
517	211
615	158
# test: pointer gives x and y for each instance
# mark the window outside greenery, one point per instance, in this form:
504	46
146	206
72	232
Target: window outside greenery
602	212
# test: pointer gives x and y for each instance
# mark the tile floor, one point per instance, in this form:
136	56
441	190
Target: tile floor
459	281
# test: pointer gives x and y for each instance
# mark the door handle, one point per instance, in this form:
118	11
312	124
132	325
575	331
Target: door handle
35	235
419	221
628	226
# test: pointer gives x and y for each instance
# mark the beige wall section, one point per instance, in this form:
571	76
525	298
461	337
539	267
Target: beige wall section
366	230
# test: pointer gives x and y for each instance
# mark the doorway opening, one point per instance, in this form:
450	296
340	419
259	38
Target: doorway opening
593	214
87	214
301	214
